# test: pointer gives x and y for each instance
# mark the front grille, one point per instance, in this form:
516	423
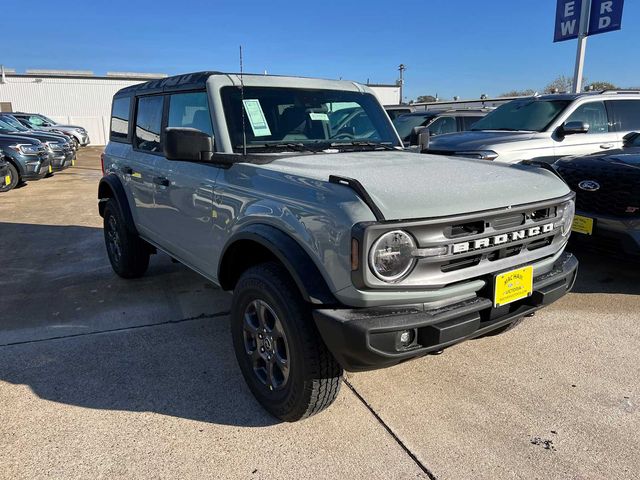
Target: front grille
619	192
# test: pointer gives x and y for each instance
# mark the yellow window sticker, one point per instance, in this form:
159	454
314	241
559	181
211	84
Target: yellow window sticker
256	117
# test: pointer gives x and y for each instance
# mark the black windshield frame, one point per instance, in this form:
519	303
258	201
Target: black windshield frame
307	102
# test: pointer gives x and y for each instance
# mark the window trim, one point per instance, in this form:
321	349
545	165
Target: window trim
135	122
126	140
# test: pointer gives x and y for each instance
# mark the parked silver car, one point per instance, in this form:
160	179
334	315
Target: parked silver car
39	122
342	249
547	127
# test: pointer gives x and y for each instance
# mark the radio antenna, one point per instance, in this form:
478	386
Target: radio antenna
244	131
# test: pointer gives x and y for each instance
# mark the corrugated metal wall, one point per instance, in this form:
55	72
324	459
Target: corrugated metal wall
77	101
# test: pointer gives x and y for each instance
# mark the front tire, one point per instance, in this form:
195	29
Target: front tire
128	253
279	350
13	181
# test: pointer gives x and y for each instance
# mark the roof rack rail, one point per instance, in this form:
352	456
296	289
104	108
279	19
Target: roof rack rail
620	90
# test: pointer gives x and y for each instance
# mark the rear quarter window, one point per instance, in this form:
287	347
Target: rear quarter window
626	115
120	119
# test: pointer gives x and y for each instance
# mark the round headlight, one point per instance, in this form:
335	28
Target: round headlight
568	213
391	256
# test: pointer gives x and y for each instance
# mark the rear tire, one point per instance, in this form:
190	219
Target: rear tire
15	179
281	355
128	253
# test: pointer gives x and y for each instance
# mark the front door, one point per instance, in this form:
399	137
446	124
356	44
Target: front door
600	137
183	204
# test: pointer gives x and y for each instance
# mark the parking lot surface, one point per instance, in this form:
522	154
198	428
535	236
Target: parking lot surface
102	377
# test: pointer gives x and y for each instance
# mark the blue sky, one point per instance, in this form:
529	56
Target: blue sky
451	47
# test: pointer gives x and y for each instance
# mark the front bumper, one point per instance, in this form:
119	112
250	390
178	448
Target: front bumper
366	339
84	140
36	168
613	234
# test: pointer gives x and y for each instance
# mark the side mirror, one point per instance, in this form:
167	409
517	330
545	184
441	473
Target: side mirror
629	139
414	138
188	145
571	128
424	135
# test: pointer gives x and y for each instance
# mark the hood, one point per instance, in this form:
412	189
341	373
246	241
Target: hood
42	136
479	140
5	139
67	127
405	185
612	160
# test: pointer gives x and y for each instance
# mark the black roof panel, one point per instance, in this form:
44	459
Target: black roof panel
188	81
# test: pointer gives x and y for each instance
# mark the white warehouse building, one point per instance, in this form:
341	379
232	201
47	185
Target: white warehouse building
84	99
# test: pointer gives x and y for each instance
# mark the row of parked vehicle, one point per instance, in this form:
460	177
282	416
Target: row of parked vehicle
590	139
33	146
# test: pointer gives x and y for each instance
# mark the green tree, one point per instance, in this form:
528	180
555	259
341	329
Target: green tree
425	99
597	86
518	93
560	84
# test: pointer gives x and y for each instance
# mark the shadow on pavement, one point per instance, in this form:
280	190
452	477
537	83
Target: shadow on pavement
600	272
185	370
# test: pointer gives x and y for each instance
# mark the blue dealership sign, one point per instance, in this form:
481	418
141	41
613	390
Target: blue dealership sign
606	16
567	20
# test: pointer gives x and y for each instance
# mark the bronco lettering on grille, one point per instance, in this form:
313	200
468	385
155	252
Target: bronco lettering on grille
502	239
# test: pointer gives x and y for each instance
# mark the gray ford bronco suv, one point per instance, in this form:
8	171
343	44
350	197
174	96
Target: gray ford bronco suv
341	249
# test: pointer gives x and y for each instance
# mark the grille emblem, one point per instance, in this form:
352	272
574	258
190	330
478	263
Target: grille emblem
589	185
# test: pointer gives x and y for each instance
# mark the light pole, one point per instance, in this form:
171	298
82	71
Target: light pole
401	68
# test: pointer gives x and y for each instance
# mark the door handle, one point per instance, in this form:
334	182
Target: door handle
126	170
607	146
162	181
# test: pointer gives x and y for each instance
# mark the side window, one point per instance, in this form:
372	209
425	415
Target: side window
443	125
148	123
37	121
120	118
469	122
626	114
593	113
190	110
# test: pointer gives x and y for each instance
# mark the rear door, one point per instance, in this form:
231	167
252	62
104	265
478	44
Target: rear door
183	210
138	168
600	137
625	116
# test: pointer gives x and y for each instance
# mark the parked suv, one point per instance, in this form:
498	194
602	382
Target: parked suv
547	127
437	122
342	249
608	197
28	158
61	154
39	122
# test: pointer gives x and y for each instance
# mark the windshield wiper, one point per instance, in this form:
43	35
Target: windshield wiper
296	147
363	143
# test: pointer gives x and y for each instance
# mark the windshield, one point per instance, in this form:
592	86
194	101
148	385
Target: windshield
6	128
301	119
528	114
16	125
47	119
406	123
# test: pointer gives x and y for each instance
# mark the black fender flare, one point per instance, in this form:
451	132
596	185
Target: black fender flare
288	251
110	186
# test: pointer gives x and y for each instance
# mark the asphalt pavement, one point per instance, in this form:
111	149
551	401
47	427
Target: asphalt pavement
106	378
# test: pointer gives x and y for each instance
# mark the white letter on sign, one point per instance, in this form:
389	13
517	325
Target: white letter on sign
568	27
604	22
606	7
569	8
